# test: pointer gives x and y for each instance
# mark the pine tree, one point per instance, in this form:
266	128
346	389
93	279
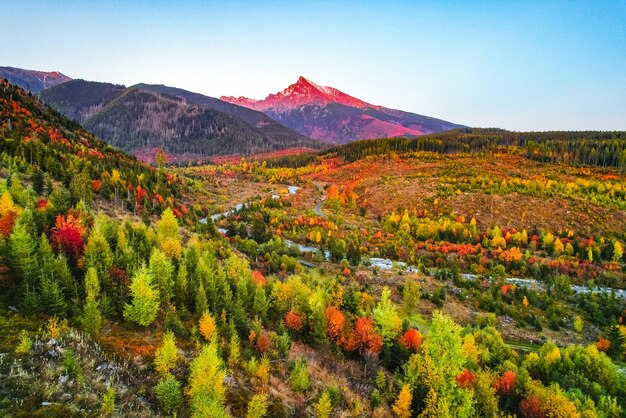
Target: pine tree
169	395
257	407
299	376
235	349
163	272
201	303
166	356
145	299
206	384
323	407
181	286
260	303
46	257
63	276
99	256
617	342
402	407
168	236
92	318
108	402
53	299
207	326
22	258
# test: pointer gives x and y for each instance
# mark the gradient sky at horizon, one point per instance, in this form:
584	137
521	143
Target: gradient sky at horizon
519	65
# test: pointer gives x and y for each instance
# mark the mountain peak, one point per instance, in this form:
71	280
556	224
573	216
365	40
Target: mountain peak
323	112
304	92
305	83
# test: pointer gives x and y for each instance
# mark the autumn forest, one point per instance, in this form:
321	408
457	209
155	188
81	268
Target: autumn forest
472	272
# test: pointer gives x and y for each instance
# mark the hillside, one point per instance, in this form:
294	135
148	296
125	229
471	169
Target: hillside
256	119
326	113
71	163
141	119
33	81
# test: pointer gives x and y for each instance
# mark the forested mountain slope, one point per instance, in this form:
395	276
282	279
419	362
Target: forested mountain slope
142	119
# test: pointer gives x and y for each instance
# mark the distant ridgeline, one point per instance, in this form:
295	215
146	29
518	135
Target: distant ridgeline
604	149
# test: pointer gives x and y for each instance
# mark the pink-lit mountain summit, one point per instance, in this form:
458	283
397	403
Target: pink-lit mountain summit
326	113
302	92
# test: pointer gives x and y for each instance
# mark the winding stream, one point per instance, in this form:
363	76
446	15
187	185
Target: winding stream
388	264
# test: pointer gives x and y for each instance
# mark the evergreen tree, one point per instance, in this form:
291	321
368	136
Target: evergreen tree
617	342
323	407
92	318
206	384
145	298
99	256
22	259
166	356
201	303
260	303
235	349
257	407
169	394
181	291
402	407
162	270
52	298
167	234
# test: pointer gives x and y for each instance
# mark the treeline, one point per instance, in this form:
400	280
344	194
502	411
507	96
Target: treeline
604	149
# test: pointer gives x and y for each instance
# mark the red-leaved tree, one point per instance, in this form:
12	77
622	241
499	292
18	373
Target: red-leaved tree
411	340
531	408
67	236
258	277
365	337
465	379
335	320
293	321
263	342
505	384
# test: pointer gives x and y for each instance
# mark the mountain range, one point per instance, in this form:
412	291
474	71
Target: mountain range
326	113
145	117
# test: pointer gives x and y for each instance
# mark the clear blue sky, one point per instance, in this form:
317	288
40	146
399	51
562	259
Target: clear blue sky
520	65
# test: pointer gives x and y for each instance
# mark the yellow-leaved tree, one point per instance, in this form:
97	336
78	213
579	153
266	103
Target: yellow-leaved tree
145	299
206	384
167	355
402	407
207	326
168	237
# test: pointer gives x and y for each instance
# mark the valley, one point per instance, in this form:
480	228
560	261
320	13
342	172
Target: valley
478	271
